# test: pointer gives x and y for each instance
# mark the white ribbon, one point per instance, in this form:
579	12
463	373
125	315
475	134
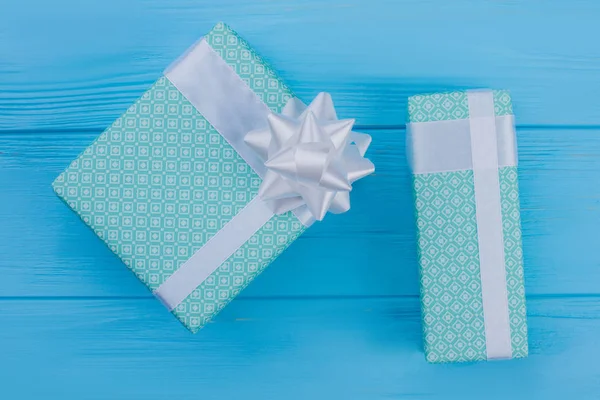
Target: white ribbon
488	210
214	253
442	146
482	143
327	157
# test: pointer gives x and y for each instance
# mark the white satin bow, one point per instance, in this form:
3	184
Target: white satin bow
312	158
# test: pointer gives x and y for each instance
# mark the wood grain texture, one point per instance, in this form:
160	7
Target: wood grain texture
337	315
292	349
74	64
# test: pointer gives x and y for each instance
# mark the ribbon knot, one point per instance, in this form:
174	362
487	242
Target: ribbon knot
312	158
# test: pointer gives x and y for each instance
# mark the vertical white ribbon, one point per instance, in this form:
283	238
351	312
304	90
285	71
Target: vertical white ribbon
214	253
233	109
222	97
484	152
227	103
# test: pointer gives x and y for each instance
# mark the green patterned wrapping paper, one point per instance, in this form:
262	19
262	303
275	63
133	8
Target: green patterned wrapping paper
451	297
161	181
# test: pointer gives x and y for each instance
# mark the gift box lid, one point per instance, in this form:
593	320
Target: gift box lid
454	105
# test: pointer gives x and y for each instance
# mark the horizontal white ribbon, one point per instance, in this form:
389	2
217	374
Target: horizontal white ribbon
483	143
442	146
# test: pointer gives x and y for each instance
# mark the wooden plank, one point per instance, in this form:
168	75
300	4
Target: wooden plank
292	349
47	251
80	64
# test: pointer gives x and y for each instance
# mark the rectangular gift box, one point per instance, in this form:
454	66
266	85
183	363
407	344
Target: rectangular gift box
462	151
161	181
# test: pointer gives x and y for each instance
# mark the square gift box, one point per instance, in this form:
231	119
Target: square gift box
463	155
161	181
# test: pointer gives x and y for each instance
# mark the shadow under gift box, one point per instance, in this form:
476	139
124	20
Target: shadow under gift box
472	297
161	181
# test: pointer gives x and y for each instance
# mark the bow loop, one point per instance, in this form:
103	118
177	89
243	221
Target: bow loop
312	158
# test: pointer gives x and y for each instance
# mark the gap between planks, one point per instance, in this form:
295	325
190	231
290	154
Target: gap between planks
358	127
534	297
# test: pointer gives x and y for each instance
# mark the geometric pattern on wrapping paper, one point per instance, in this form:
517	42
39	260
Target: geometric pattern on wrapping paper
450	279
249	66
451	106
160	182
513	255
238	271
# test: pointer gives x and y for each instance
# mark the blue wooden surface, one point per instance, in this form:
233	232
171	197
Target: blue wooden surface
337	315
